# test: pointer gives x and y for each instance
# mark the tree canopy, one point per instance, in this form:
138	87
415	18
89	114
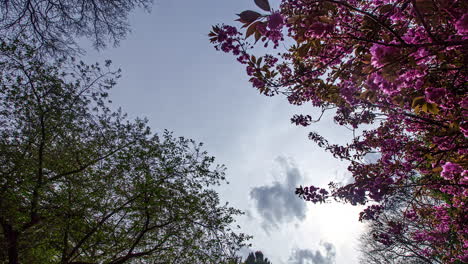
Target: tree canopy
80	183
54	26
256	258
394	72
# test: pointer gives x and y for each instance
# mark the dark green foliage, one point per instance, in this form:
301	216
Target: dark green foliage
80	183
257	258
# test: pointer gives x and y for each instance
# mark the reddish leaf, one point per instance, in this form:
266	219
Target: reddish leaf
386	8
303	50
249	16
251	29
258	35
263	4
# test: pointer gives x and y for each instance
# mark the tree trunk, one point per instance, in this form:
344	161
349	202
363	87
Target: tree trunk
11	237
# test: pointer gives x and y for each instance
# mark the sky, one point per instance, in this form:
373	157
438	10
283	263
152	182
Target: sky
174	77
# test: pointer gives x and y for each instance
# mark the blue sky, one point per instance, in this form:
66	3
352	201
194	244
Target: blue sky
175	78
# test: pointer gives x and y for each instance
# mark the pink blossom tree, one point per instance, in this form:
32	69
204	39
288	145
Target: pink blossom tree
394	72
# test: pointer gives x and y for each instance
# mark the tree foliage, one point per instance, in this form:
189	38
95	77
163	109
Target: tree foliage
397	225
394	72
256	258
80	183
54	24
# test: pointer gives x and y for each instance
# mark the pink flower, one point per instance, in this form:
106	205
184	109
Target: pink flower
464	179
434	95
464	128
397	15
275	21
462	25
257	83
383	54
464	103
444	143
250	70
449	170
410	214
415	35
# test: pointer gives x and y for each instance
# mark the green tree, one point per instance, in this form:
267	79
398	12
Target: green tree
257	258
80	183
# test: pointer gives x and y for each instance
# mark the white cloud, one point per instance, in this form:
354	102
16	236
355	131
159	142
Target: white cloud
307	256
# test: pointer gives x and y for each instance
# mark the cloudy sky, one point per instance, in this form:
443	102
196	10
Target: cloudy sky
175	78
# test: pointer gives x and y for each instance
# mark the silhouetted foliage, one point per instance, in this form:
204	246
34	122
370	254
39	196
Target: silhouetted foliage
55	24
388	238
257	258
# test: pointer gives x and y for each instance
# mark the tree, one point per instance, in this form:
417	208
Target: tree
376	253
256	258
394	73
80	183
54	25
388	237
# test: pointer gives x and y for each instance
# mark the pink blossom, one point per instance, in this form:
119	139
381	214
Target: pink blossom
449	170
462	25
435	95
275	21
381	54
444	143
257	83
464	102
464	128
